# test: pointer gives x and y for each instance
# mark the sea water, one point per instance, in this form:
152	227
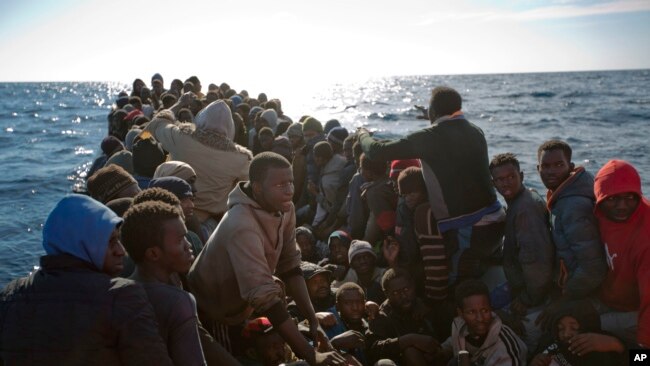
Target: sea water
50	132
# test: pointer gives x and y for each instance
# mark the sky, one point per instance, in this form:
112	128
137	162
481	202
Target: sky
310	42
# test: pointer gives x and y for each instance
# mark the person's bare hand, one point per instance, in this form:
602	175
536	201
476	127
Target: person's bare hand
585	343
541	360
332	358
326	319
187	99
390	249
349	339
372	310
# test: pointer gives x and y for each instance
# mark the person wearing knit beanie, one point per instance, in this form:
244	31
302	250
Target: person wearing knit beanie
123	159
294	133
335	137
180	188
111	145
282	146
311	124
329	125
178	169
396	166
147	155
111	182
359	246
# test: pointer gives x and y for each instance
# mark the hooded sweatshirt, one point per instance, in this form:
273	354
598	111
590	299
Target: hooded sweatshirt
501	346
233	275
580	257
627	245
87	236
219	162
217	117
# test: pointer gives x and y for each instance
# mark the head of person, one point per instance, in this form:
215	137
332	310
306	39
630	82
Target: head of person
138	84
311	128
157	78
196	82
123	159
111	182
157	88
211	96
86	229
574	318
396	167
269	118
306	242
282	146
216	117
399	289
153	232
351	302
412	187
444	101
554	163
111	145
145	95
347	147
262	98
147	155
361	257
178	169
372	170
339	245
188	86
318	281
185	115
177	85
330	125
136	102
335	137
322	153
507	177
617	188
294	133
271	180
472	299
181	189
120	205
264	343
266	139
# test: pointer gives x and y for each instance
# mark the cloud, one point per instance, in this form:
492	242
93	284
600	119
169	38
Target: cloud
542	13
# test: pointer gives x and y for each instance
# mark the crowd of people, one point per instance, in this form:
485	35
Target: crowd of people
216	230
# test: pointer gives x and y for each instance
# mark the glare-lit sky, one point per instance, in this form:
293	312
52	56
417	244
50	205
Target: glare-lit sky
300	41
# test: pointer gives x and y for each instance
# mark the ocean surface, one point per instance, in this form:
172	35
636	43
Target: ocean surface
50	132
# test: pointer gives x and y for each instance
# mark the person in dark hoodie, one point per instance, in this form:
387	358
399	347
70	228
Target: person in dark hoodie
580	258
576	339
623	215
147	155
71	311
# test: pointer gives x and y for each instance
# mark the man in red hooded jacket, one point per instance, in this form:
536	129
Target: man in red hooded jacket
624	219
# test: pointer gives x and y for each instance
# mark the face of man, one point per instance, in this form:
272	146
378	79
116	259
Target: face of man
363	263
351	304
266	142
276	191
619	207
507	180
400	294
296	141
175	254
271	349
115	252
306	246
187	204
554	168
338	252
477	314
413	199
318	287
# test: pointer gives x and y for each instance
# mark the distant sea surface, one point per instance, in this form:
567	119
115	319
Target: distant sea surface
50	132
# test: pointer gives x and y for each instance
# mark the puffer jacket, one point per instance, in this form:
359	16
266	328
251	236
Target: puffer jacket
233	275
69	313
580	258
219	162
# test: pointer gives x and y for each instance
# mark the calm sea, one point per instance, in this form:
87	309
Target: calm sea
50	132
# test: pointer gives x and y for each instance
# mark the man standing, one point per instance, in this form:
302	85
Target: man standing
233	275
454	158
624	218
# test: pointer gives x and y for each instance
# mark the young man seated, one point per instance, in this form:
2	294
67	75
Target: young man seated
264	346
479	332
575	338
154	236
364	271
403	330
337	262
318	281
71	311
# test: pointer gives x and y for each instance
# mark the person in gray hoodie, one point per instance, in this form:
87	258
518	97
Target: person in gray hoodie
71	311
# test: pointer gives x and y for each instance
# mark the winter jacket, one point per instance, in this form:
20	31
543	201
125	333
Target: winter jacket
219	163
528	251
627	246
330	184
454	158
579	254
69	313
500	347
380	201
233	274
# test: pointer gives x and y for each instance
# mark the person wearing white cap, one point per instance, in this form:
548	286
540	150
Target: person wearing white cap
364	271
